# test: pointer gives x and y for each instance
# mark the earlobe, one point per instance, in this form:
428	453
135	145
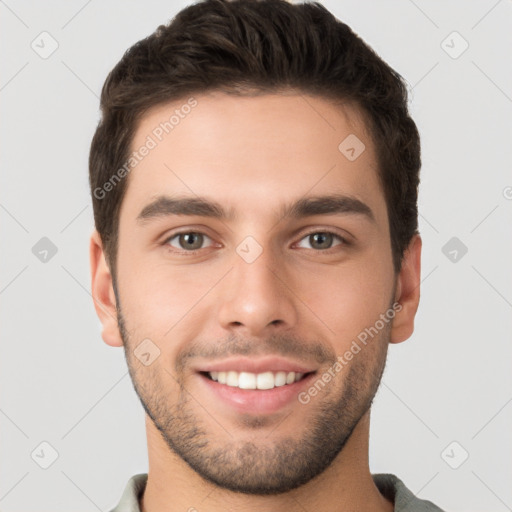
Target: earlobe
407	292
103	293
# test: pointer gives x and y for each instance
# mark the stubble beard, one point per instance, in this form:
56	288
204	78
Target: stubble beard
277	464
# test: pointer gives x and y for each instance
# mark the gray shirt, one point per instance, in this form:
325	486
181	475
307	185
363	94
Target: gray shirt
389	486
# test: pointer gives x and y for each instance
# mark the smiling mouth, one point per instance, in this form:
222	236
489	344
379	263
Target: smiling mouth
260	381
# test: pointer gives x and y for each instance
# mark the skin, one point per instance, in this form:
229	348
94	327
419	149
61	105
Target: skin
254	155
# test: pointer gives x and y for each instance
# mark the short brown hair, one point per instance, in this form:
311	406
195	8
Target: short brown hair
242	46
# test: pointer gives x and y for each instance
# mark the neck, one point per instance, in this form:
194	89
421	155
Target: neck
346	484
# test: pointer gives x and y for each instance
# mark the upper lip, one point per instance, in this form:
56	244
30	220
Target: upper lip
251	365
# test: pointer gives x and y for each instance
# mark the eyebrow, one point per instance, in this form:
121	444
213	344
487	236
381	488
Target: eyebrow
164	206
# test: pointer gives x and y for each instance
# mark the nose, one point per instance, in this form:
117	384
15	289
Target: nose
257	298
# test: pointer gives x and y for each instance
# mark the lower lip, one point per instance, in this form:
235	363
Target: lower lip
257	401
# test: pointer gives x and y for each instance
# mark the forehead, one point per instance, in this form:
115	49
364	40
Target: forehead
253	153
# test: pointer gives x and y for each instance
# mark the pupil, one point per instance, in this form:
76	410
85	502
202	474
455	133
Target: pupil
321	238
189	240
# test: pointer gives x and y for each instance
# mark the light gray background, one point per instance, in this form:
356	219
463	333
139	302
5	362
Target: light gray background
62	385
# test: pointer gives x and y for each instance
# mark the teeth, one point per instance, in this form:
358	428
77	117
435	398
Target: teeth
265	380
232	379
245	380
280	379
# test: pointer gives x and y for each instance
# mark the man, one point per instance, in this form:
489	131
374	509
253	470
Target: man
254	180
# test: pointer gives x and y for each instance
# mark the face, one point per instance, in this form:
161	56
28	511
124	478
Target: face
255	284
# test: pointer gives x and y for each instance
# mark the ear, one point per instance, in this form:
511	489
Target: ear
407	292
103	293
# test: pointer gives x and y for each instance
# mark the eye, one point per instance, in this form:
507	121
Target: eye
188	240
191	241
322	240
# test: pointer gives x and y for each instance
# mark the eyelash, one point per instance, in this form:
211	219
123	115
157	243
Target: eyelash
344	241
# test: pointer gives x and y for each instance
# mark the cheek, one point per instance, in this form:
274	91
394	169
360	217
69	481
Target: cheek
347	299
163	300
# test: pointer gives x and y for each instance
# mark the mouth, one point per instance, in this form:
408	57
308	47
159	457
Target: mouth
251	381
250	386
